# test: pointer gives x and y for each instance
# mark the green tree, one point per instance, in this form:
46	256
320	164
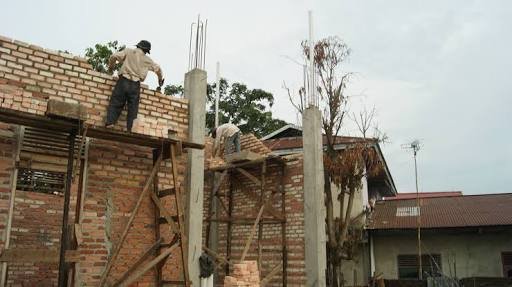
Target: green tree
249	109
98	55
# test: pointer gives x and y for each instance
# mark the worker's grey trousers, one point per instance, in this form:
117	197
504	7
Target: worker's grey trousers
125	91
232	144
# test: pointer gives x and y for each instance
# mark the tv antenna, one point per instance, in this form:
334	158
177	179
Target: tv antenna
415	147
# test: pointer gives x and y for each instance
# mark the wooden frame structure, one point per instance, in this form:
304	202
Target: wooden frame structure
163	148
264	205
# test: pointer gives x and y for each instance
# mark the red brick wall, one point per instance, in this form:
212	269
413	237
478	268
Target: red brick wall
245	206
30	75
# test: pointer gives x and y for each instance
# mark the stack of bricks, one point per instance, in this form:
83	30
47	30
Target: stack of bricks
31	75
244	274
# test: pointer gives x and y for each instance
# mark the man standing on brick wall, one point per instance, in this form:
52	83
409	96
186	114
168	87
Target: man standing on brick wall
134	69
227	134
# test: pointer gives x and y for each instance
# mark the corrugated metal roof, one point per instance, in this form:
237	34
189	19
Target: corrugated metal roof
444	212
412	195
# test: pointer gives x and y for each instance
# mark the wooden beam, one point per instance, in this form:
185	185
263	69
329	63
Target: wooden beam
59	125
217	256
251	234
249	175
37	256
63	266
137	274
245	220
270	275
141	259
181	225
14	180
118	246
166	214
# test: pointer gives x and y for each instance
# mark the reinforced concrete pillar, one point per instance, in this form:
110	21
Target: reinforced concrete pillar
314	207
195	92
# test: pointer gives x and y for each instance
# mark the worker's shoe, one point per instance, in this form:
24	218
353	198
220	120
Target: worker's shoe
109	126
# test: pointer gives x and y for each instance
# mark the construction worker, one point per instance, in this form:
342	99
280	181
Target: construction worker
134	68
227	134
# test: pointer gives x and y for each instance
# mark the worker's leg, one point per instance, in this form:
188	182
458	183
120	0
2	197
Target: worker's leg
117	101
133	103
236	141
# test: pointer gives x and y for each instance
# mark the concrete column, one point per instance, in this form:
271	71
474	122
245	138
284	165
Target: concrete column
314	207
195	92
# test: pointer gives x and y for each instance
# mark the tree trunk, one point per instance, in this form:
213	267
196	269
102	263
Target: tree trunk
344	230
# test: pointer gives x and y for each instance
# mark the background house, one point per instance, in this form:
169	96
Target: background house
288	141
461	236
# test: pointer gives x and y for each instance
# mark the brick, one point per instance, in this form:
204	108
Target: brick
9	45
19	54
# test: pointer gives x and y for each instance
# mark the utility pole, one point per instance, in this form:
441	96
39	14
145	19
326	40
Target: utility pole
415	147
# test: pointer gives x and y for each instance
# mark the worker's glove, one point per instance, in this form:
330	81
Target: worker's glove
159	89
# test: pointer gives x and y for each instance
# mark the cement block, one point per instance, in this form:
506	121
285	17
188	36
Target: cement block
66	110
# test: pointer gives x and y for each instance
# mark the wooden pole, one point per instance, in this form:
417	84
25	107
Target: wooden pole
178	198
136	275
63	275
158	267
14	179
130	221
230	227
260	225
283	228
141	259
251	234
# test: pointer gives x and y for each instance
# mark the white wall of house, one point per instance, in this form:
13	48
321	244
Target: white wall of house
463	255
355	272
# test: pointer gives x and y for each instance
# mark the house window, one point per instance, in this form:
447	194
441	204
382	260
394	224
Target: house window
42	181
506	258
408	265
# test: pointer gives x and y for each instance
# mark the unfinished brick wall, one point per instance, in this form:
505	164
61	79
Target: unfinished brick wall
244	206
31	75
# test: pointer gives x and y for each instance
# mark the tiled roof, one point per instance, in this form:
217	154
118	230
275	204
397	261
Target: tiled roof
412	195
444	212
296	142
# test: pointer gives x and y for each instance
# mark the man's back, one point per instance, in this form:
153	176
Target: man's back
136	64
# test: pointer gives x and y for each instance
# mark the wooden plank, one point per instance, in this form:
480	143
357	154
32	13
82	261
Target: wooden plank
7	234
137	274
118	246
251	234
178	198
166	192
284	243
37	256
217	256
59	125
166	214
65	234
249	175
139	261
245	155
78	234
260	225
270	275
268	204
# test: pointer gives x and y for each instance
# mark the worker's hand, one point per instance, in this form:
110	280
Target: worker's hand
161	82
110	70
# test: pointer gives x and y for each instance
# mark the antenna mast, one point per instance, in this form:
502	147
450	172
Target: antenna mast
415	147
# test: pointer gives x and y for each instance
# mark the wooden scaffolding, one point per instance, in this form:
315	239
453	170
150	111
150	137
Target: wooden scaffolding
264	205
163	149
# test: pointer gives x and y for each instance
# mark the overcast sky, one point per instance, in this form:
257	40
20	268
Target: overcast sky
438	71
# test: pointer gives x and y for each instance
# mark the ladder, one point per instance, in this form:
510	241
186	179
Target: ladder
163	247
